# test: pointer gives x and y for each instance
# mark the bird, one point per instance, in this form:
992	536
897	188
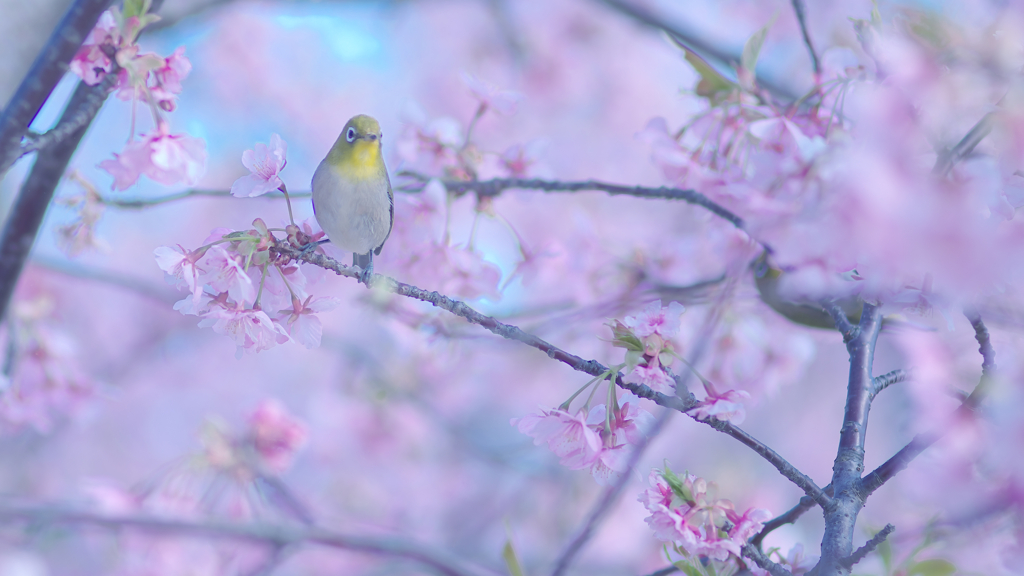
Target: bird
807	313
352	197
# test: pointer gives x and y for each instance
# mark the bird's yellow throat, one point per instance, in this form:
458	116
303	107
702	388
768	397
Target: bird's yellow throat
360	160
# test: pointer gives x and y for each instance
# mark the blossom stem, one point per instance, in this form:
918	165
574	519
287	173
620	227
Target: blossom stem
286	283
284	190
565	405
259	293
472	124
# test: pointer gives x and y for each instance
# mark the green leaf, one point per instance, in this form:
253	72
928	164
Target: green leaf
712	84
677	484
508	554
752	50
933	567
623	337
688	568
135	7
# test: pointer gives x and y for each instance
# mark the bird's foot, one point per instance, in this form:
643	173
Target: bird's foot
366	274
311	247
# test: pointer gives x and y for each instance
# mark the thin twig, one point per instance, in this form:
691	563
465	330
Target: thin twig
491	188
138	203
665	571
591	367
885	380
798	7
755	554
899	461
868	547
42	78
848	330
253	532
788	517
965	146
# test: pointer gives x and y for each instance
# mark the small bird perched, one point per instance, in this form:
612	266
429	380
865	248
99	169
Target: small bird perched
352	197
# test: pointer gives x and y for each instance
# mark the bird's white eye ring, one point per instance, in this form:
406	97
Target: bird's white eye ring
351	135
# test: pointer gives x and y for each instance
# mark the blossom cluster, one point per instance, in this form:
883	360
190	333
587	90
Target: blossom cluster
234	478
593	440
241	288
442	147
147	77
686	513
647	338
866	155
41	379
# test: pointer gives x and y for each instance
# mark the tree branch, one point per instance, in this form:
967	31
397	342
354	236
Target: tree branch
946	160
798	7
279	535
885	380
591	367
26	215
781	464
788	517
761	560
848	330
46	71
491	188
868	546
899	461
841	516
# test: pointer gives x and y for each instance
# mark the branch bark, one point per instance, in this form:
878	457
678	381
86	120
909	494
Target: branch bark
847	501
48	68
899	461
591	367
275	534
491	188
26	215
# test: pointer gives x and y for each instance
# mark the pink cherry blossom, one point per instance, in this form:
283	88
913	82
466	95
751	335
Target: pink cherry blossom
568	436
276	435
168	79
653	375
252	330
180	265
91	63
490	96
224	272
265	164
302	325
727	406
164	157
656	320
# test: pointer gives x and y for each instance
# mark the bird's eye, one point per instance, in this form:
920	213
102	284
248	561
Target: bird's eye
351	135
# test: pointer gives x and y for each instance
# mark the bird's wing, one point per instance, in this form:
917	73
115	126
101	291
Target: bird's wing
391	207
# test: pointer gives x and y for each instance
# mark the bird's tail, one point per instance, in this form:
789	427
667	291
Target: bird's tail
361	260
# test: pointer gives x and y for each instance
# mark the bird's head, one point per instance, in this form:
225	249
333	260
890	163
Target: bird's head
357	150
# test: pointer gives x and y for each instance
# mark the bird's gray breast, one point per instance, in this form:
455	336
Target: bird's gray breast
355	213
